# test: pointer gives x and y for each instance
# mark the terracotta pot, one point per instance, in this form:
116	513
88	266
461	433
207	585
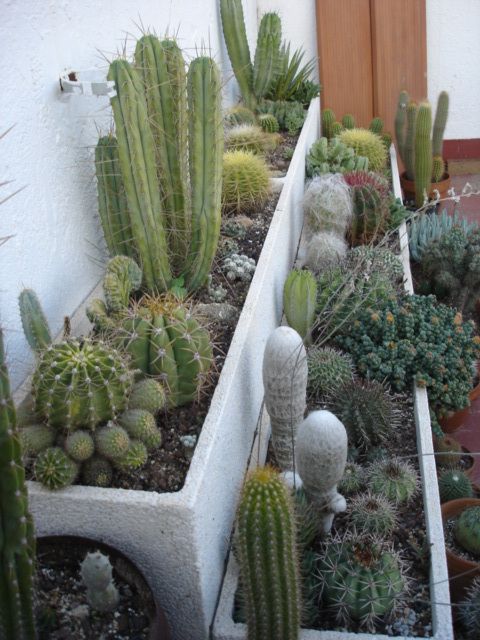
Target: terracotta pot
408	187
461	572
457	419
127	570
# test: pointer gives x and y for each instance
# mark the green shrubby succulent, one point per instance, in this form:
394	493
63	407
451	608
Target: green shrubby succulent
333	156
427	228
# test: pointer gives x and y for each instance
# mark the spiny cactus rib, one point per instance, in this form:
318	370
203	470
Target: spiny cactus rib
423	153
440	123
136	151
35	325
162	69
235	35
267	53
268	562
17	543
409	144
112	202
123	276
205	157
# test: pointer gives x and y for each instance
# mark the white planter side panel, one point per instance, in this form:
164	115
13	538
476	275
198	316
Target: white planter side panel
226	629
180	540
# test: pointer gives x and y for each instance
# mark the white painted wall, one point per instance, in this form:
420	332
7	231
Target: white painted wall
58	244
453	59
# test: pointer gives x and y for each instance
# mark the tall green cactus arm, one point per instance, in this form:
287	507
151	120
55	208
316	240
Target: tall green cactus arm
400	118
17	543
112	203
409	148
423	153
34	322
267	54
136	151
162	68
267	555
205	157
235	35
440	123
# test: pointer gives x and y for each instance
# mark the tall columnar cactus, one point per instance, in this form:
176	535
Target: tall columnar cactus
440	123
268	560
235	35
328	118
400	118
467	530
299	300
17	543
267	54
409	148
34	323
112	202
423	153
285	374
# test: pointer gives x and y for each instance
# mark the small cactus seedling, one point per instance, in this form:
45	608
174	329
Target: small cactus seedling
54	469
34	322
299	300
36	437
285	384
373	513
467	530
79	445
454	484
97	472
396	479
135	457
149	395
112	442
268	122
141	425
96	572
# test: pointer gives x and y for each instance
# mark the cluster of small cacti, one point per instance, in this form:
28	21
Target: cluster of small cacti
333	156
216	293
419	146
246	182
239	267
331	127
289	115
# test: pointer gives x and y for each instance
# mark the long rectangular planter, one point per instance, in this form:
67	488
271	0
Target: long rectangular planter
180	540
224	626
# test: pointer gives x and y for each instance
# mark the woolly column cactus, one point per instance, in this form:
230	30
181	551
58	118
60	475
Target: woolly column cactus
34	322
467	530
320	456
80	384
17	542
299	300
246	182
363	579
454	484
323	251
423	153
96	572
285	384
366	144
268	560
327	204
396	479
373	513
267	54
328	369
54	469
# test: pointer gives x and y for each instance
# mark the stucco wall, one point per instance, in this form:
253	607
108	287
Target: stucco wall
57	248
453	57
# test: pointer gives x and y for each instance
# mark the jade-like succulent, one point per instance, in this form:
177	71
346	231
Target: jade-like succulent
79	445
328	369
36	437
54	469
149	395
372	513
246	182
467	530
141	425
96	572
454	484
367	144
299	299
97	472
393	478
334	156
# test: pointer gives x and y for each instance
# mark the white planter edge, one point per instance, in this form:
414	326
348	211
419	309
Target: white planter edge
225	628
180	540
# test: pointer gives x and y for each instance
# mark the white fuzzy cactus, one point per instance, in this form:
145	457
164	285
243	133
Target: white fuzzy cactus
323	250
96	572
285	374
327	204
321	456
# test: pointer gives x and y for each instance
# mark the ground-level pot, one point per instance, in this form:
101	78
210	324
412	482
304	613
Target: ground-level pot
408	188
461	571
453	422
180	540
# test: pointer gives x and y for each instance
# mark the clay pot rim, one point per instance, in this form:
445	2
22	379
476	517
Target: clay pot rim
451	509
410	184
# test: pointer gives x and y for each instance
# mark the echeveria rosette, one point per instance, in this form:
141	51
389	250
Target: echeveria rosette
416	338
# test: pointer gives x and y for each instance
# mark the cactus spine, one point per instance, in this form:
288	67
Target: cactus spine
267	54
17	543
268	561
299	300
423	153
35	325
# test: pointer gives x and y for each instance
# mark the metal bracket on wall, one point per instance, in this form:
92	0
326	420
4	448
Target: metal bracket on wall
89	82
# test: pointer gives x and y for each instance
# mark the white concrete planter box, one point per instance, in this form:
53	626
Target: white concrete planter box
225	628
180	540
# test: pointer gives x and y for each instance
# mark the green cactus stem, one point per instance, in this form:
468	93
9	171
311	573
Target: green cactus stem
439	124
299	300
123	276
376	125
423	153
34	322
438	168
267	54
409	149
348	121
328	118
400	119
268	560
17	542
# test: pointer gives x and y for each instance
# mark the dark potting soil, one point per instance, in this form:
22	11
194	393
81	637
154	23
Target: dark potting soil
61	607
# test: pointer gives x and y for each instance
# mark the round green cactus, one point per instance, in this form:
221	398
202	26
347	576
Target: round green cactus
373	513
135	457
448	451
79	445
240	115
353	478
54	469
467	530
34	322
36	437
247	137
268	122
112	441
149	395
97	472
141	425
454	484
348	121
366	144
469	610
246	182
80	383
328	118
327	369
396	479
362	578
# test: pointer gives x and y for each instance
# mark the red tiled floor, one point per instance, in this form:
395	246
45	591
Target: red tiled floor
469	207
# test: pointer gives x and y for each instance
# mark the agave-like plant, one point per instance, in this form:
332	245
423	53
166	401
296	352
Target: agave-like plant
291	73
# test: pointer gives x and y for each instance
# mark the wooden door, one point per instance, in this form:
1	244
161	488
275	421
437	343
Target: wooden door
369	50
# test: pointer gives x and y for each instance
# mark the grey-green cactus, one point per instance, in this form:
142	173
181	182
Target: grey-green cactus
372	513
34	323
328	369
454	484
394	478
96	572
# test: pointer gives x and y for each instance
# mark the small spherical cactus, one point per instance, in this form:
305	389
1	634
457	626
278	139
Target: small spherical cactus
353	479
112	442
149	395
36	437
247	137
327	369
373	513
454	484
467	530
447	451
240	115
246	182
135	457
141	425
394	478
96	572
54	469
268	122
79	445
97	472
366	144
